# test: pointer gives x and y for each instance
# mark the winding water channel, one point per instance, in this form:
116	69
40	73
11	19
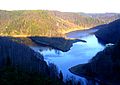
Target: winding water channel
79	53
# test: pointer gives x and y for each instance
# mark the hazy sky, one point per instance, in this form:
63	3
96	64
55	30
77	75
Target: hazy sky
89	6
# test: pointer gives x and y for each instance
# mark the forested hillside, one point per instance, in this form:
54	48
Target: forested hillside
76	18
109	33
43	22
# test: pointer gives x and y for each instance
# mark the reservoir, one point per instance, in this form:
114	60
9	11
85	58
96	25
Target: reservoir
79	53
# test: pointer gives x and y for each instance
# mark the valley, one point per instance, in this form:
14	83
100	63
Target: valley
63	48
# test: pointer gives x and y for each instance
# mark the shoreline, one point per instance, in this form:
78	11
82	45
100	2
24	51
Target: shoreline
59	43
88	77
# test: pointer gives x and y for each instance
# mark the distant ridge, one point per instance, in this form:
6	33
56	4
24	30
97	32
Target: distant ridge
106	17
44	22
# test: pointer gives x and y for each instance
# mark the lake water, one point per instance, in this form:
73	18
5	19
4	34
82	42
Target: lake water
79	53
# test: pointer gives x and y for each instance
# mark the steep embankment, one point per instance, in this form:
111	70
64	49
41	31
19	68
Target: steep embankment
21	65
43	22
104	67
21	57
109	33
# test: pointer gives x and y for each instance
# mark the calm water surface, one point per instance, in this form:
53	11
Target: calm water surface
79	53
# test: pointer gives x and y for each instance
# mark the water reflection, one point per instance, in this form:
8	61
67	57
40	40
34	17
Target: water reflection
78	54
